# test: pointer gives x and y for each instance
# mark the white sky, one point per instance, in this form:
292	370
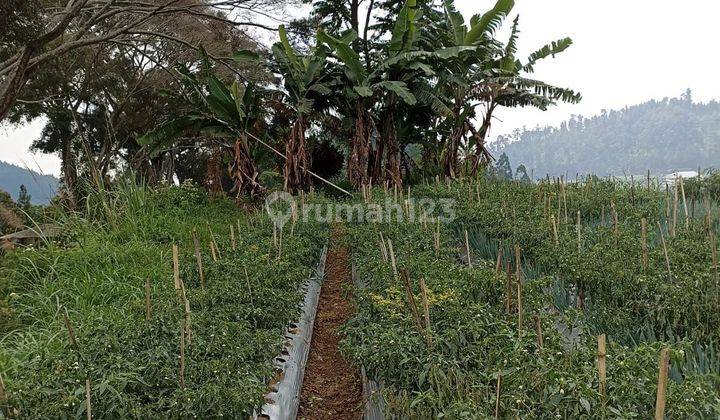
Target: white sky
625	52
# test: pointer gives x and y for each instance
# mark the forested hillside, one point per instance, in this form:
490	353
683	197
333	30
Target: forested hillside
40	187
660	136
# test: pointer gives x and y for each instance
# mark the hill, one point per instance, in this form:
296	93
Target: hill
40	187
661	136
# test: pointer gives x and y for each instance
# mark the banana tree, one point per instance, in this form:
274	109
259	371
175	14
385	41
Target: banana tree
307	82
363	89
456	73
506	84
217	112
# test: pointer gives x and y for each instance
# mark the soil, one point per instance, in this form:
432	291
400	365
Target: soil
332	388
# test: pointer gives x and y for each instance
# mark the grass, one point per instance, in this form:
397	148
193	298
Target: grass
98	270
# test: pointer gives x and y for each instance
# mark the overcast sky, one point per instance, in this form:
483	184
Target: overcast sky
625	52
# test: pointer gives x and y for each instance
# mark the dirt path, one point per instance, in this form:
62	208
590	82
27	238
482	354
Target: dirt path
332	388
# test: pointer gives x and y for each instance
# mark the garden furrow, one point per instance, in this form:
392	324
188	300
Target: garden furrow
332	387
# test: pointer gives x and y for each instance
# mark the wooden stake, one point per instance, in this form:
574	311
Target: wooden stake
498	263
212	251
392	258
667	258
383	249
411	299
662	384
685	204
426	311
176	267
601	364
675	214
467	250
147	300
643	232
578	229
497	396
70	331
88	406
616	228
198	258
233	244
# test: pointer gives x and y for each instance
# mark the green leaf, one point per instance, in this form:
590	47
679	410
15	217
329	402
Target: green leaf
364	91
551	49
355	69
400	89
490	21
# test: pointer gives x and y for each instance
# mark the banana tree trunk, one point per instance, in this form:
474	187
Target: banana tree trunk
392	162
360	147
243	172
482	154
296	158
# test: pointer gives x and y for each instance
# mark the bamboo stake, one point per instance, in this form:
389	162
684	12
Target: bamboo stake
667	258
426	311
467	249
498	263
578	229
685	204
602	353
70	330
616	228
662	384
233	244
147	300
675	214
411	299
198	258
497	396
383	249
538	331
212	251
88	406
392	258
643	231
176	267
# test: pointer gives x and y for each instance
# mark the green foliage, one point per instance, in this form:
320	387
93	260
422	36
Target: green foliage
98	272
473	338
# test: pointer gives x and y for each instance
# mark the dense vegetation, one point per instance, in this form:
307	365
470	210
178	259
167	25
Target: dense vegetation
661	136
100	273
572	292
411	91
